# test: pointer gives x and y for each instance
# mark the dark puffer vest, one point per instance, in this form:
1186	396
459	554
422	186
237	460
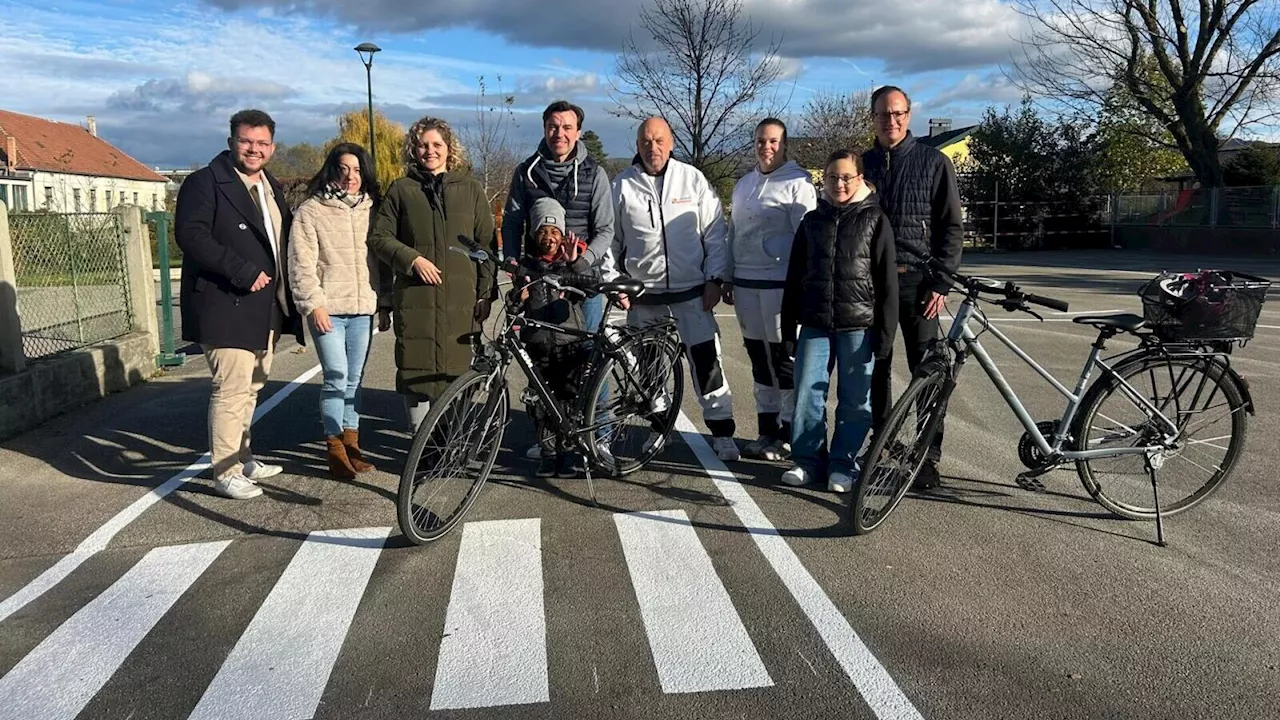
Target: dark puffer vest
574	192
918	191
843	273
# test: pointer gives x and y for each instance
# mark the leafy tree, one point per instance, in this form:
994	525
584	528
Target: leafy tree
302	160
1200	71
353	127
1253	166
1134	147
595	148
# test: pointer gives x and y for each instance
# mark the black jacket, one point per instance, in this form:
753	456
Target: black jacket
918	190
224	247
546	305
843	273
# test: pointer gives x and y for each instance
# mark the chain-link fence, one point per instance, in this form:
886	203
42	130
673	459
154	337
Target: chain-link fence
72	283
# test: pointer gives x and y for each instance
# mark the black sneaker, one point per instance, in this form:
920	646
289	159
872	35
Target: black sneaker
547	466
928	477
567	465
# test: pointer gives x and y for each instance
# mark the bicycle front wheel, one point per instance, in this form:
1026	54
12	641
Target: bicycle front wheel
451	456
899	450
638	402
1195	393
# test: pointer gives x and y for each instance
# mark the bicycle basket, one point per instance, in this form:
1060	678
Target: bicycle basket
1210	305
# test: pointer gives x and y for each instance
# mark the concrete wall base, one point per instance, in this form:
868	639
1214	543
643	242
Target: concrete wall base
51	387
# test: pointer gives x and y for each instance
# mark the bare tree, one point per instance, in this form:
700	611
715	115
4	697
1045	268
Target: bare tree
832	121
492	159
702	75
1201	72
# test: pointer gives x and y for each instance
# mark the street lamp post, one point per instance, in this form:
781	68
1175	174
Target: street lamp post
366	51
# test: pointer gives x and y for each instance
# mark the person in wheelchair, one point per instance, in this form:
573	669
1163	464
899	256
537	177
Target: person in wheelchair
558	357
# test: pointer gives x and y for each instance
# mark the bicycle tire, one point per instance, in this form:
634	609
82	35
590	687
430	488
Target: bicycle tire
886	454
670	354
1108	495
492	420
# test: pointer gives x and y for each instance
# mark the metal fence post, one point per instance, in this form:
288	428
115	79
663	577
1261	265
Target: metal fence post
1213	206
995	219
1275	207
12	357
168	357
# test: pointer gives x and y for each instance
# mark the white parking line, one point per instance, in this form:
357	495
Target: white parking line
881	693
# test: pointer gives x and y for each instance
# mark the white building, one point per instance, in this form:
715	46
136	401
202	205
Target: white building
64	168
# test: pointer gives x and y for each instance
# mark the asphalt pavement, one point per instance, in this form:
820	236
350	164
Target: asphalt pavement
694	590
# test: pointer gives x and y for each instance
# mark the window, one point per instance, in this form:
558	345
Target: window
75	199
135	198
48	198
20	198
155	201
93	201
108	199
4	195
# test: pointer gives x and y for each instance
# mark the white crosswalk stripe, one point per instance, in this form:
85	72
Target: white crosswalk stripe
281	664
493	651
57	679
696	637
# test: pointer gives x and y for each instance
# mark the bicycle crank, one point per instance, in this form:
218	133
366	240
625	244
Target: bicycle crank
1030	455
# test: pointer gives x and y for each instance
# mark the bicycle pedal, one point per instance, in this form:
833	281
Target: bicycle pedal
1030	483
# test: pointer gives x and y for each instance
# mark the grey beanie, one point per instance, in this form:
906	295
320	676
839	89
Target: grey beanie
546	211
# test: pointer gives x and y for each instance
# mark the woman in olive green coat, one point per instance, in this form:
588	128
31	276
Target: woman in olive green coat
440	297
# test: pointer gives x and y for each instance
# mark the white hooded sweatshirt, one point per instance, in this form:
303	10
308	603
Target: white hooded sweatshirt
767	209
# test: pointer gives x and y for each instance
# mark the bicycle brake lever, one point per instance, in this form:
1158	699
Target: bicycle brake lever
1031	312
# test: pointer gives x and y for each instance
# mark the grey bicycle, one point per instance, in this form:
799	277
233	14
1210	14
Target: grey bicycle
1170	408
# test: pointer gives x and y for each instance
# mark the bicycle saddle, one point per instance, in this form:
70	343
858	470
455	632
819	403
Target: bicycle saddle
633	288
1127	322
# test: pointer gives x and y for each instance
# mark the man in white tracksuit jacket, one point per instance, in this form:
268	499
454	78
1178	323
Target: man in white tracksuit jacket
670	234
768	204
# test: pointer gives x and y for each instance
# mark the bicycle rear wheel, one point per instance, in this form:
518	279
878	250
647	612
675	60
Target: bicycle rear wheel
451	456
642	402
1197	394
894	459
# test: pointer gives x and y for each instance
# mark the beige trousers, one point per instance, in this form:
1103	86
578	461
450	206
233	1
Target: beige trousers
238	375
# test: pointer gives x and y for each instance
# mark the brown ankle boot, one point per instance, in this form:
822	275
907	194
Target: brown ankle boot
351	439
339	464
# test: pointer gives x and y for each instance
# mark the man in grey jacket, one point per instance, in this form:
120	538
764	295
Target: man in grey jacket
562	170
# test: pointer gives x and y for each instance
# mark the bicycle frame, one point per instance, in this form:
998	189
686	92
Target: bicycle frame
961	333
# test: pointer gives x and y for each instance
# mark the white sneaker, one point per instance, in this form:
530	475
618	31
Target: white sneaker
726	449
838	482
795	477
255	471
654	443
237	487
534	452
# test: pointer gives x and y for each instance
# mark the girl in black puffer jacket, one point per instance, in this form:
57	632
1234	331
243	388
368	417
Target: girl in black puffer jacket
842	294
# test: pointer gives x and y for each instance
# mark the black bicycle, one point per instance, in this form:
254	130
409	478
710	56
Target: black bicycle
631	387
1172	406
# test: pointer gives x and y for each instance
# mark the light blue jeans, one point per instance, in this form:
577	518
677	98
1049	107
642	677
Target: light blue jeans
855	360
342	352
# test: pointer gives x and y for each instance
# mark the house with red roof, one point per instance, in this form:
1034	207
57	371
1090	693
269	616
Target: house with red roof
67	168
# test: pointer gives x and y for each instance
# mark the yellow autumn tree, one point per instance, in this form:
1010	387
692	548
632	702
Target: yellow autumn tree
353	127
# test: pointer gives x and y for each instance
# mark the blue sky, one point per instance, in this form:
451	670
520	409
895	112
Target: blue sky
161	79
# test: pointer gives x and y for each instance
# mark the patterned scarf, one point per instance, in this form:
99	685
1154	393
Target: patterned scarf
333	191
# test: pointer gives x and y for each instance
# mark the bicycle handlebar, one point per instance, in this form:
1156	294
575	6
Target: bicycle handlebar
1013	295
583	285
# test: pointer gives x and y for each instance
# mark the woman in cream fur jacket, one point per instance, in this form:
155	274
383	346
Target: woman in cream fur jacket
338	285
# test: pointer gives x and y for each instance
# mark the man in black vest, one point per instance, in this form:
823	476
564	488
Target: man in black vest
917	188
562	169
232	223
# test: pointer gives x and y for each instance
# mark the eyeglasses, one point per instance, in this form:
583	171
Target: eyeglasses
260	144
896	115
846	179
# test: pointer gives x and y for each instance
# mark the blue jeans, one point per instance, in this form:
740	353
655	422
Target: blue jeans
342	352
855	360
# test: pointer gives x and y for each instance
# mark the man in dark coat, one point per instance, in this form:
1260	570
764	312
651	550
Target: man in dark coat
917	188
232	223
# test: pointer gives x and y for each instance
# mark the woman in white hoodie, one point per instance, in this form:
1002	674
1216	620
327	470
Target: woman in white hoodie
768	205
335	282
